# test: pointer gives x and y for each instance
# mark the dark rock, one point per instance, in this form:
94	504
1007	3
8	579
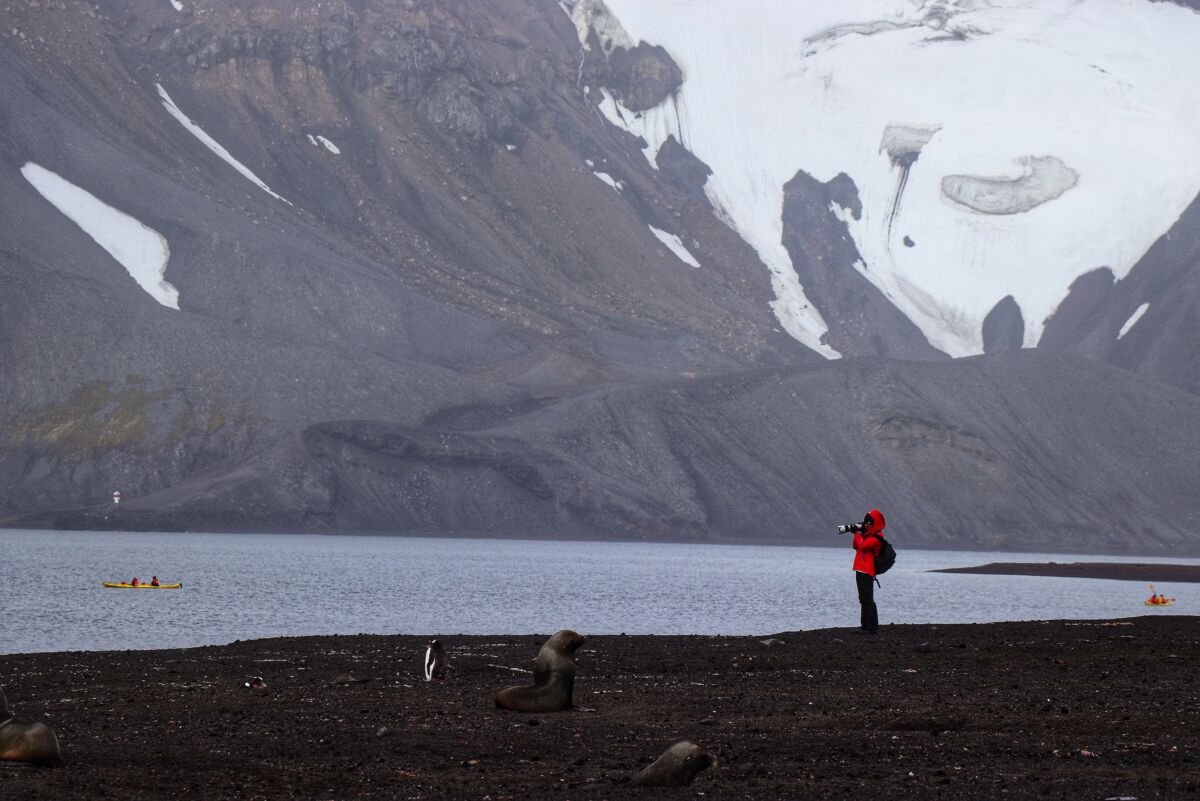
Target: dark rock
1003	327
644	76
861	320
450	107
679	166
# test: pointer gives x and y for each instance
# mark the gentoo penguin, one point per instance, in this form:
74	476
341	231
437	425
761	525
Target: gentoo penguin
435	661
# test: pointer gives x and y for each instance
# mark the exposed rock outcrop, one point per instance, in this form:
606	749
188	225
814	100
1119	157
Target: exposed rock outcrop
644	76
861	320
1003	327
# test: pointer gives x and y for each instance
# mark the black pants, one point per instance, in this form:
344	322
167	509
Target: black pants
869	614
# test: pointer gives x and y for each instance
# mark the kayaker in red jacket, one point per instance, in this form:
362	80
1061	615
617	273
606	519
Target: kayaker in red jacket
866	547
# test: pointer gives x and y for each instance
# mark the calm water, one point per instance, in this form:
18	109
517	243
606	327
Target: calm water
240	586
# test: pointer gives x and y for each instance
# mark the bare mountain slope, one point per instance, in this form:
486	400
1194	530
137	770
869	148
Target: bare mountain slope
1012	450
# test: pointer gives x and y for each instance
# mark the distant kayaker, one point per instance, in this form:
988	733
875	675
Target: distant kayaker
135	582
154	581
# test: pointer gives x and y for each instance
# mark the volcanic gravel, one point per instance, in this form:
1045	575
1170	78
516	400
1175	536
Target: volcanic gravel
1056	709
1116	571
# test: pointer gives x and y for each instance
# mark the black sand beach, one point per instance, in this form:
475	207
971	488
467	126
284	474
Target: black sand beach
1116	571
1059	709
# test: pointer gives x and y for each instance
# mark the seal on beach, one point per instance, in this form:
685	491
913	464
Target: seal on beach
350	678
553	678
436	662
33	743
678	765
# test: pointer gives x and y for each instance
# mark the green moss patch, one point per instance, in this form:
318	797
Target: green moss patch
94	419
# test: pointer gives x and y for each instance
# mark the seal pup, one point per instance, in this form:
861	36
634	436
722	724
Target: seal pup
553	678
33	743
256	683
436	663
678	765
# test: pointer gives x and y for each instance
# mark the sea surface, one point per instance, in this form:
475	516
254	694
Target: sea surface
243	586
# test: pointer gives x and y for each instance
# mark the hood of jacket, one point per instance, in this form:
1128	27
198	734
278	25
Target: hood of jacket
877	524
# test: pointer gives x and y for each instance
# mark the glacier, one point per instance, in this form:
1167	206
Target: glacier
1106	89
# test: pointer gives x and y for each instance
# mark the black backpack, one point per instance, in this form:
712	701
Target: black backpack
886	558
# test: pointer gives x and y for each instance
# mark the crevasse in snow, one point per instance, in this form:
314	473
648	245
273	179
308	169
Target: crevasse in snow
212	144
1073	130
141	250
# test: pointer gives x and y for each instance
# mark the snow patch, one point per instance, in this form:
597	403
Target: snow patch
1133	318
608	179
320	141
141	250
178	5
330	146
818	84
675	245
212	144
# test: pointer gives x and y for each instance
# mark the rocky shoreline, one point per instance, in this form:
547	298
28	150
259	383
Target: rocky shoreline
1058	709
1115	571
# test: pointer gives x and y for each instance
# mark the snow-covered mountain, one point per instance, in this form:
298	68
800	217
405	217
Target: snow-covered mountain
577	268
996	151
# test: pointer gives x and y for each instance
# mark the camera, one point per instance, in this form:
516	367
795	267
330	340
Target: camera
850	528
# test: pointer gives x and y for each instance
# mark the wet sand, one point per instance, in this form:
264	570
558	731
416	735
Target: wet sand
1116	571
1060	709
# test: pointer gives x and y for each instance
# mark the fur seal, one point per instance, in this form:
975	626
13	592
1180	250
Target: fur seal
34	743
553	678
350	678
436	662
678	765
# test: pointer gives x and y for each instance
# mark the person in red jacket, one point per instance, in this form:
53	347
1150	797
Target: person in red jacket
867	545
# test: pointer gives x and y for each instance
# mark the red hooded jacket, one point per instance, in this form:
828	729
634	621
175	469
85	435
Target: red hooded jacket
867	546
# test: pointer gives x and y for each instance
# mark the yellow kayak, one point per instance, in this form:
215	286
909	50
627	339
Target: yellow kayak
123	586
1167	602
